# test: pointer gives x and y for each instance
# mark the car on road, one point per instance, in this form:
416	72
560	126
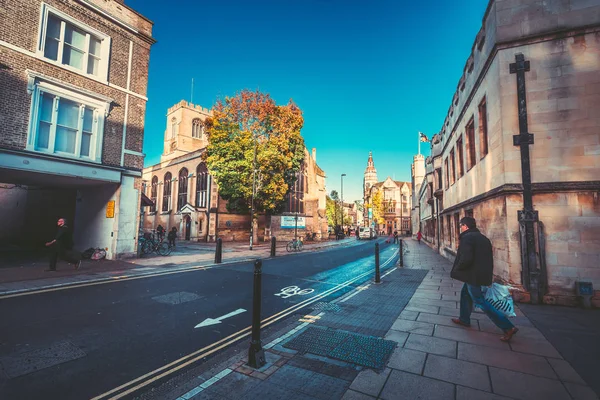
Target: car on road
365	232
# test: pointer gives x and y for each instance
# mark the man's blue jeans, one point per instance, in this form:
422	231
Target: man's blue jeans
470	295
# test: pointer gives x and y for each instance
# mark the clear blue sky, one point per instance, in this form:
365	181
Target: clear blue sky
368	75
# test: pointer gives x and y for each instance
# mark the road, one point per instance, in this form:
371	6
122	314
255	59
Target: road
84	342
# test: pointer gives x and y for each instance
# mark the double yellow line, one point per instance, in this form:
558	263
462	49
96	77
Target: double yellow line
159	373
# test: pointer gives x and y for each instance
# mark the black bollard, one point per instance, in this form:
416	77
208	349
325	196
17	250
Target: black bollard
219	251
377	277
273	244
256	354
401	254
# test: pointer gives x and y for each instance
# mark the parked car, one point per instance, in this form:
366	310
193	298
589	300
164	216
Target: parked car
365	232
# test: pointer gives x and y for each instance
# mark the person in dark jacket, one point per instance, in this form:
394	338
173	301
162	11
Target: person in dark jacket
474	265
61	247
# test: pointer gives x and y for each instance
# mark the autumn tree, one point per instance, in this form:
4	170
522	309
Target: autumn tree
331	208
378	207
247	127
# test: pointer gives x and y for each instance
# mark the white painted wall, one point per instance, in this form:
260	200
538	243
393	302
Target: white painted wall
126	215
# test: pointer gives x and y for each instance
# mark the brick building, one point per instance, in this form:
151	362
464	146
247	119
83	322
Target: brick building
396	198
534	70
186	197
73	79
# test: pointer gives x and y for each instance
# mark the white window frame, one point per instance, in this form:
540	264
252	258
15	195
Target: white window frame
101	107
104	38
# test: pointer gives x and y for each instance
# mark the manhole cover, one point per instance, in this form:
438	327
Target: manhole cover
367	351
18	364
322	306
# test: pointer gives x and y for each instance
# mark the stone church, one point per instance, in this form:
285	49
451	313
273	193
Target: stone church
185	196
396	197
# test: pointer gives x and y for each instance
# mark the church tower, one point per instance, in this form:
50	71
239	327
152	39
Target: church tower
370	175
185	131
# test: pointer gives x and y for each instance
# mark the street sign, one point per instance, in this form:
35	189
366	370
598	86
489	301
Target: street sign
110	209
289	222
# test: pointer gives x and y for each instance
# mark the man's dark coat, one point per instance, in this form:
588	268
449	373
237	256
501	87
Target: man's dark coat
474	263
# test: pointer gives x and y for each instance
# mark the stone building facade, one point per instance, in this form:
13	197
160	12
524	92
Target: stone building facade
396	198
479	168
73	79
185	196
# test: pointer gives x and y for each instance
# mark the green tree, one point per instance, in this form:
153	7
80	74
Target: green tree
251	125
330	209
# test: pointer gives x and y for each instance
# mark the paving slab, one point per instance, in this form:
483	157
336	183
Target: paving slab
457	371
526	363
525	386
352	395
445	320
397	336
470	336
370	382
325	387
409	315
579	392
465	393
538	347
408	360
423	308
403	385
421	328
432	345
565	371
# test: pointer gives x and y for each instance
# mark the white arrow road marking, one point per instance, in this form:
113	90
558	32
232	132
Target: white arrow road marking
214	321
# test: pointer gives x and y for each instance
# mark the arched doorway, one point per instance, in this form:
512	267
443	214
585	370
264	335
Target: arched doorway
188	226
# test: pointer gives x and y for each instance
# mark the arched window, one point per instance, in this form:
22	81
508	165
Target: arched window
183	187
153	192
201	186
166	206
173	128
197	128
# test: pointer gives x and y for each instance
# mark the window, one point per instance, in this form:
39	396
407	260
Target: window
197	128
65	122
201	186
471	160
173	128
438	172
182	188
441	229
295	197
483	129
449	226
166	206
153	192
453	172
72	44
459	151
447	172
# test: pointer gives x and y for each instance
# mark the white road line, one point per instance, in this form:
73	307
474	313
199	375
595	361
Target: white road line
214	321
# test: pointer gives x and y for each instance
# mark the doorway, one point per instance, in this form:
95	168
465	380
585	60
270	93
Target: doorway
188	227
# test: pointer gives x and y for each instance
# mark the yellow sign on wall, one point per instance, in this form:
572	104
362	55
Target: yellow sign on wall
110	209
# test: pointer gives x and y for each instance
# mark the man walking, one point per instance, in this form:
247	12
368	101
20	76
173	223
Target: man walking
474	265
61	246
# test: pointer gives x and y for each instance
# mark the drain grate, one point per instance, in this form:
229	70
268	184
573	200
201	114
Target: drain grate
30	361
323	306
367	351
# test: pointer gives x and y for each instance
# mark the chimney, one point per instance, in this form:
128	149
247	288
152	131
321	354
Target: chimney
314	154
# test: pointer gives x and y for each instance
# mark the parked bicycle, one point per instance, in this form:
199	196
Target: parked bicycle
294	245
310	237
150	244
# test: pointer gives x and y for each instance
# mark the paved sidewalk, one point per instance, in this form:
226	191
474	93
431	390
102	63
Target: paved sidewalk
188	255
391	341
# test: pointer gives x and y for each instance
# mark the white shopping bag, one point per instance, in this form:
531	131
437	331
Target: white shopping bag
499	296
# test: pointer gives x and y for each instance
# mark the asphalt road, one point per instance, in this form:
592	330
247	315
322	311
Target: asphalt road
103	336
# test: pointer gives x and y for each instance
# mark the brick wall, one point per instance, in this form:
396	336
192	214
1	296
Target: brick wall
20	26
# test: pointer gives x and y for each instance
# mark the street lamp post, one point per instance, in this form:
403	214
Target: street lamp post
342	202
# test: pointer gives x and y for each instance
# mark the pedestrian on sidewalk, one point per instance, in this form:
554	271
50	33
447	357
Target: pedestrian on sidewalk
172	236
474	265
62	247
395	236
419	236
160	231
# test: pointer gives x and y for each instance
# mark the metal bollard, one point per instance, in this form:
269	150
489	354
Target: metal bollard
273	244
401	254
377	277
256	354
219	251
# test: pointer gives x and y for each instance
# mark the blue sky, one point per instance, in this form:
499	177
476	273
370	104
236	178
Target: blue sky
368	75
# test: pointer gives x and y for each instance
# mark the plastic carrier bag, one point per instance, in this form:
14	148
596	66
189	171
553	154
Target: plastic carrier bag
99	254
499	296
